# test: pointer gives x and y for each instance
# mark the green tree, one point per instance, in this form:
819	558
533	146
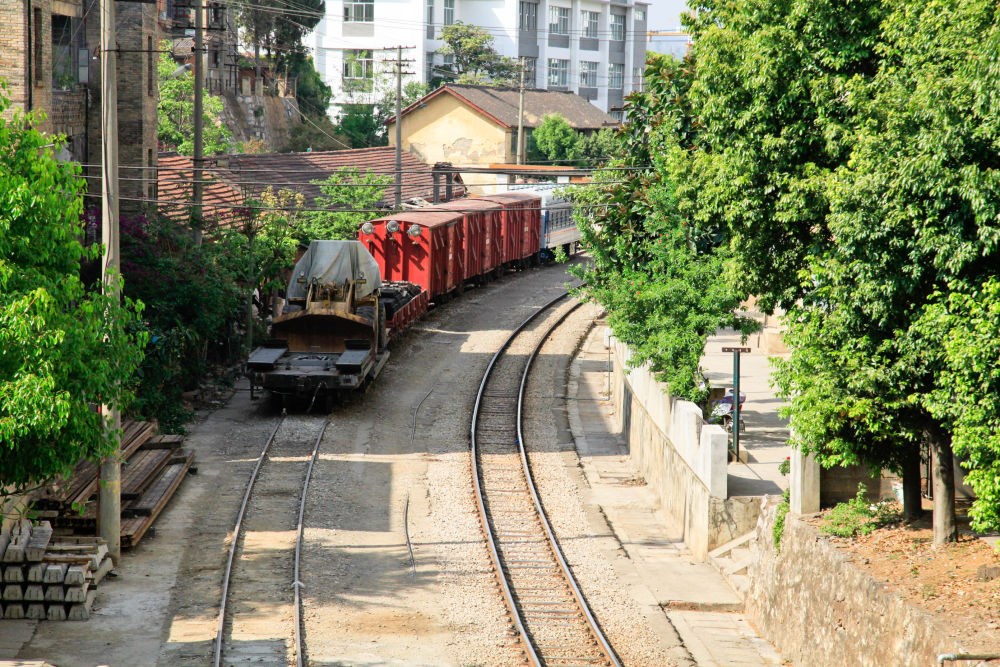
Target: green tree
555	141
598	147
348	196
175	111
664	291
64	349
193	301
475	61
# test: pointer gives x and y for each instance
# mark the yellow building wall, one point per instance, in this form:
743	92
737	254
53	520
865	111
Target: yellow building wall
447	130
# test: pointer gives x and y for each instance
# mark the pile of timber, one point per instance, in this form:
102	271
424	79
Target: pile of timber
154	467
50	578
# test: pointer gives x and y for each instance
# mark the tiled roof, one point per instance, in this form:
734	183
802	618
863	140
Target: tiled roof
233	179
502	104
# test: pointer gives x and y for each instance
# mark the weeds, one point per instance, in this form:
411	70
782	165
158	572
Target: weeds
858	516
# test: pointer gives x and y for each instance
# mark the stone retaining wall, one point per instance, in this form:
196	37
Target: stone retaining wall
818	609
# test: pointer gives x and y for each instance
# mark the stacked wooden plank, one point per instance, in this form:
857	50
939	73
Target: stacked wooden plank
50	578
155	465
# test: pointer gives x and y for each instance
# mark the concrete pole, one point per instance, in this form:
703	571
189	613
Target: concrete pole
519	150
399	126
198	159
109	508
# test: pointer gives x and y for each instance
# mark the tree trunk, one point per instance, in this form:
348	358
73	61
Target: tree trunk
912	501
943	473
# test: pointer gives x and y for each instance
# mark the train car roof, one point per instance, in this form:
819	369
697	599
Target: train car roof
509	197
466	205
428	217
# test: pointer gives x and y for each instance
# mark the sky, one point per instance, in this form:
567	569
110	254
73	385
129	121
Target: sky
665	14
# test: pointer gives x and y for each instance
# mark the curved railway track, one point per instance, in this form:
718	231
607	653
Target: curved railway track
280	477
549	611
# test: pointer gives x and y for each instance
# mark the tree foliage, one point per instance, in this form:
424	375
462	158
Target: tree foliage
475	61
175	112
556	141
348	196
64	349
846	155
664	291
192	310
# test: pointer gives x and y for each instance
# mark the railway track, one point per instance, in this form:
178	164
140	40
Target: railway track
549	611
265	551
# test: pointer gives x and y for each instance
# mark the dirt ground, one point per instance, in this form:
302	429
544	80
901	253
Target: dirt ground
959	583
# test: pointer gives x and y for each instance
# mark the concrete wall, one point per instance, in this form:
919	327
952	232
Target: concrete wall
680	456
818	609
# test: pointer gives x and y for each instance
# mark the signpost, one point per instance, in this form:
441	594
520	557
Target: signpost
736	395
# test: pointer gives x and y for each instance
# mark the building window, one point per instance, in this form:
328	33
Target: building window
449	12
430	12
590	20
639	15
359	11
359	70
588	74
617	114
618	27
64	75
529	15
530	71
616	76
558	72
558	20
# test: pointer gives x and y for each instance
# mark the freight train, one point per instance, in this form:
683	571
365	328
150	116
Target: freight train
347	299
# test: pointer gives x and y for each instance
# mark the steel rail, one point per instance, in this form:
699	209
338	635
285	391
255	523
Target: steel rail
227	575
238	529
490	538
553	542
300	531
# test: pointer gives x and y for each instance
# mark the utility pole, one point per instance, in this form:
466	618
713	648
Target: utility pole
519	151
399	120
198	159
399	126
109	508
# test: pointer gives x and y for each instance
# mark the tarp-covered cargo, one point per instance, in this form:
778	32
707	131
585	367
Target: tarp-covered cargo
333	262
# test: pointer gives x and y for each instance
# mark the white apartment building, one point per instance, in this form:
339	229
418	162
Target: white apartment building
595	48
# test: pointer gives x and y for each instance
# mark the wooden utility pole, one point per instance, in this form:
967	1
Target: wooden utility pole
198	159
109	512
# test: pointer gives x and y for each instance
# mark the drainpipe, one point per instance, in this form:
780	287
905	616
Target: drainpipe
31	66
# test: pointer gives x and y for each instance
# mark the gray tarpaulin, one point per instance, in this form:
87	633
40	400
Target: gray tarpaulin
333	262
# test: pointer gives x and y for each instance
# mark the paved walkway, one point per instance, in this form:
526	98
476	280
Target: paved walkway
693	597
765	435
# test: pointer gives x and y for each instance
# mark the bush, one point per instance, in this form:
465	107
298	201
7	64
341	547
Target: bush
858	516
193	305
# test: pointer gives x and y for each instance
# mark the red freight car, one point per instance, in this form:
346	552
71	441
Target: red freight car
424	247
483	236
522	225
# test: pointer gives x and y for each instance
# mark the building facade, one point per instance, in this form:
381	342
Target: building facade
49	58
593	48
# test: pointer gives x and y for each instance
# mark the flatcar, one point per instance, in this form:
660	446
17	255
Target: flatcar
333	331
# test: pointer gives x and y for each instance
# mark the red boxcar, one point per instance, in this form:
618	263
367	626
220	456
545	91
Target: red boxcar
522	226
483	235
423	247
